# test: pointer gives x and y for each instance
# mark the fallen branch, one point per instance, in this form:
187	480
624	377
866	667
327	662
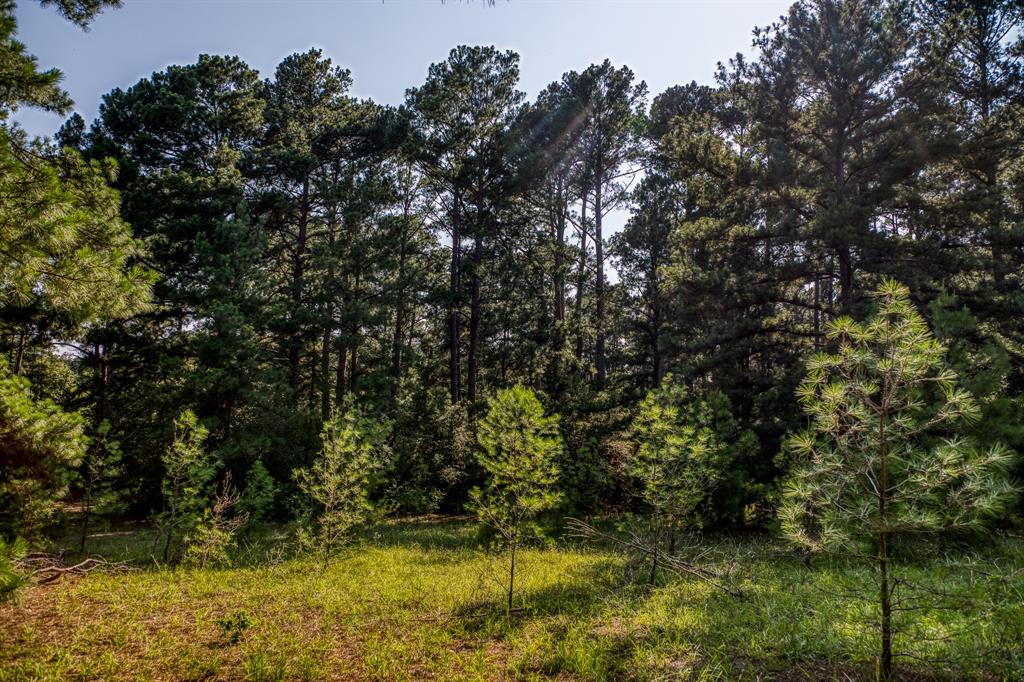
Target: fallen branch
45	569
583	529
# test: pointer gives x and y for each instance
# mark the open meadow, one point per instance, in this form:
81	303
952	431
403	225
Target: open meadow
418	600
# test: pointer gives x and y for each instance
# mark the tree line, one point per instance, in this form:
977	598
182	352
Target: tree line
267	253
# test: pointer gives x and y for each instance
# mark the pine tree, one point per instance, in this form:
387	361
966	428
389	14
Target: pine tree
353	454
40	445
613	102
688	446
882	456
188	473
461	117
519	446
98	479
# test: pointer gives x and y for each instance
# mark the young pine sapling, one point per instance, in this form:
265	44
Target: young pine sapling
882	457
352	455
100	469
519	447
685	447
188	473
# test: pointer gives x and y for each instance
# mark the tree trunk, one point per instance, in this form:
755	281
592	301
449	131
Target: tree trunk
86	508
559	255
399	331
474	320
170	533
599	360
581	275
325	371
845	278
511	578
657	361
354	339
19	356
817	311
396	348
340	374
354	364
298	267
885	591
453	309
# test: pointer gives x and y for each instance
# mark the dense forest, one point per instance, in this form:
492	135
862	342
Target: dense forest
228	276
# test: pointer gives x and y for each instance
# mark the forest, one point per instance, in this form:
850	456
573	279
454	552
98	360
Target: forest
296	385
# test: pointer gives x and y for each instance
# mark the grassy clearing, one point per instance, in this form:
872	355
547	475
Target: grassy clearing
417	600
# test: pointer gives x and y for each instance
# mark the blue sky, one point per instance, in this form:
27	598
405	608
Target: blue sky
389	44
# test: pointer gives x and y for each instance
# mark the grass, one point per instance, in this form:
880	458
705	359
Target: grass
419	600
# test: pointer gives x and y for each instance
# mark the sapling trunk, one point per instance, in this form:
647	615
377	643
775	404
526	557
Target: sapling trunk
883	553
85	521
511	579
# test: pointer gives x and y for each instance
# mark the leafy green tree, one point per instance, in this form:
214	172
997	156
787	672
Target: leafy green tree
643	251
688	446
81	12
843	98
67	258
181	137
257	498
21	82
882	456
99	479
307	107
613	103
519	448
353	454
40	445
188	472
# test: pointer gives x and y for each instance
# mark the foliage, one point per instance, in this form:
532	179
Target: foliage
257	499
687	447
211	540
519	448
40	445
22	82
11	578
882	456
68	256
188	471
99	479
310	250
353	453
234	625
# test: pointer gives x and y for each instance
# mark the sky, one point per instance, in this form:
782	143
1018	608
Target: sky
388	44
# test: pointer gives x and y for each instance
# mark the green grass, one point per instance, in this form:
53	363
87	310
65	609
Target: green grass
419	600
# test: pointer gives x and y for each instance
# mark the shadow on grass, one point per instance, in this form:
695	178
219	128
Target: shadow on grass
579	592
429	532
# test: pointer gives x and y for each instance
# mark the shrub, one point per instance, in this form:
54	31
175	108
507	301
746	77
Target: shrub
234	625
214	536
11	579
687	447
257	500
